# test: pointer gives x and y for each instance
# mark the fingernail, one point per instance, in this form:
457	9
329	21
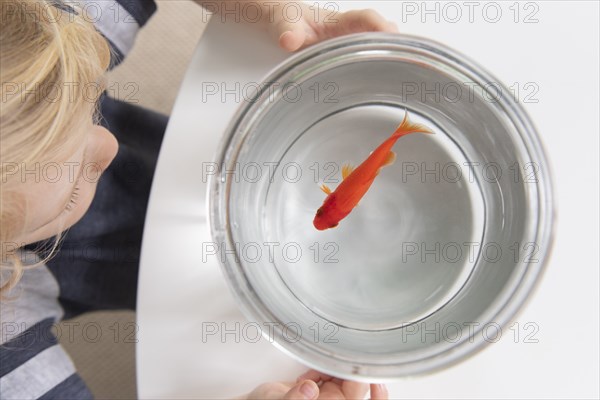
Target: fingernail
309	390
284	34
382	387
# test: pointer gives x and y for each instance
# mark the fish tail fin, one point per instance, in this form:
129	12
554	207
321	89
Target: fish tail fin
407	127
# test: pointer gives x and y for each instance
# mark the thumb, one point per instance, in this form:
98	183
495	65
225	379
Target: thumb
305	390
290	35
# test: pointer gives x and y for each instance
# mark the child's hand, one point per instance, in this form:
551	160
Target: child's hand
314	385
335	388
284	390
316	24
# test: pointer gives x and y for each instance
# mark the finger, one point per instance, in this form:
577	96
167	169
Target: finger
292	40
337	381
315	376
354	390
330	390
343	390
379	392
305	390
290	35
356	21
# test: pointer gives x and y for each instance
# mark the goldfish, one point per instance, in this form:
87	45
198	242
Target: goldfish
356	182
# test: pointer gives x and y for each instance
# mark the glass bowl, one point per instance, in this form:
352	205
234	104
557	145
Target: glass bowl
440	253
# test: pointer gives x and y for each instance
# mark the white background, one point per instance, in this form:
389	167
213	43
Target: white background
558	54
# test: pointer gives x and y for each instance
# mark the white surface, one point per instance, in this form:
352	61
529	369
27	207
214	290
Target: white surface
179	294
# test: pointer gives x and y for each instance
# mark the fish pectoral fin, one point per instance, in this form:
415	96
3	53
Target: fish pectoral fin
389	160
325	189
346	170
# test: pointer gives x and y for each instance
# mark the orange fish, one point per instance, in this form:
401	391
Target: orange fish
339	203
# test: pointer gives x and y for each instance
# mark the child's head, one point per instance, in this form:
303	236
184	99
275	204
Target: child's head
51	153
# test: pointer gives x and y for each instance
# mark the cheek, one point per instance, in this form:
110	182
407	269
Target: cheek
66	219
104	147
87	190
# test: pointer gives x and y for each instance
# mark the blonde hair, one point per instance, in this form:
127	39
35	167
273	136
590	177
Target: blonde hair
51	58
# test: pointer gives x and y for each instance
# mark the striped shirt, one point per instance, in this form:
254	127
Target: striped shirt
33	365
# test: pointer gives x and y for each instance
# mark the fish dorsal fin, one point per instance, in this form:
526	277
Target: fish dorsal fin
390	158
325	189
346	170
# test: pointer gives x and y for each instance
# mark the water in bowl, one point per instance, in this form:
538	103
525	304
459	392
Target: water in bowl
401	254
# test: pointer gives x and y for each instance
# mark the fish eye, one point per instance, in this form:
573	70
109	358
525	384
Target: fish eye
320	212
334	225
